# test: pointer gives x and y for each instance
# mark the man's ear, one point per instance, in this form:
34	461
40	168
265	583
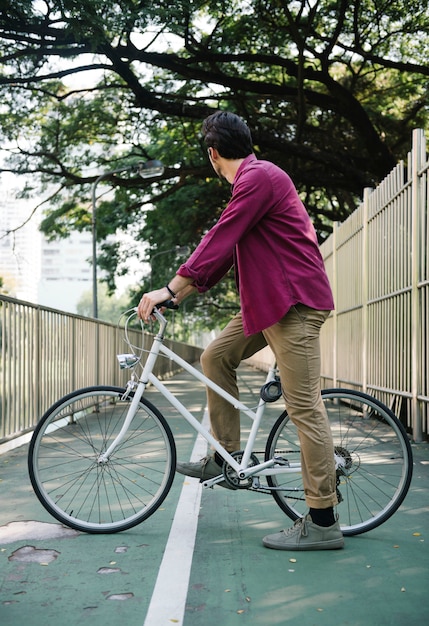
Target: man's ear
213	153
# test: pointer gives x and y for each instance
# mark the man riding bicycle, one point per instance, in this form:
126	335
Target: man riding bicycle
265	232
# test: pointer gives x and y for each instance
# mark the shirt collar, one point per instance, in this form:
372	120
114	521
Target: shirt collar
247	160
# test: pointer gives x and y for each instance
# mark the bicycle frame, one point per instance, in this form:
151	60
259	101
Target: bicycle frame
94	490
243	471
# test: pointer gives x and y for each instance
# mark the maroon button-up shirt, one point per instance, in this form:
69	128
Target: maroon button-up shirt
266	233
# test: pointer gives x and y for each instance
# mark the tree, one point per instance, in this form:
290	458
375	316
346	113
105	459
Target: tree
110	307
331	91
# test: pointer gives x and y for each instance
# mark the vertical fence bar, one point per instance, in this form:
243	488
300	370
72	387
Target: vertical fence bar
335	313
97	351
418	139
365	289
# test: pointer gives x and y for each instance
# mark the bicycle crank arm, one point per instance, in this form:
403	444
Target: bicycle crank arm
211	482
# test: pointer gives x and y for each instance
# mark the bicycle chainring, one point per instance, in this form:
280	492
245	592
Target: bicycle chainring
231	476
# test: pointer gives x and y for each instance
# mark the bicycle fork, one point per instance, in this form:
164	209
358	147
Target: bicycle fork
148	367
104	458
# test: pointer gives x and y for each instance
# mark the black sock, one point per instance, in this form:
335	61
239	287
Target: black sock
323	517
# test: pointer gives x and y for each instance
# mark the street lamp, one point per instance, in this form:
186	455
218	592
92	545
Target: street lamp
147	169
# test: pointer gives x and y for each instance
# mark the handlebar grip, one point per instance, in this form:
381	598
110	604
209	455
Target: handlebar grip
168	304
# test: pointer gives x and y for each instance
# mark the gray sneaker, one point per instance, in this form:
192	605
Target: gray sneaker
305	535
203	469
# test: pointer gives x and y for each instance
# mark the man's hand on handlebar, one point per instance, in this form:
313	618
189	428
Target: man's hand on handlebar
150	300
180	286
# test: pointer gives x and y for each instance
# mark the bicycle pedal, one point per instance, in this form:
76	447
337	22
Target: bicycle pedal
279	460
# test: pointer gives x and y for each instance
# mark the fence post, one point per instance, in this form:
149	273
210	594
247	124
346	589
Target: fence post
416	164
37	338
365	289
73	353
334	313
97	353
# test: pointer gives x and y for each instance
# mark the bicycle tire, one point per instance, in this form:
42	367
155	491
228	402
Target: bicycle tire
373	454
93	497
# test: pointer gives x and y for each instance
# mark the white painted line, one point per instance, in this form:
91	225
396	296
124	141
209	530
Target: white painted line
168	600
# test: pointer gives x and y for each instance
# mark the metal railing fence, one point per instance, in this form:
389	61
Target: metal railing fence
376	340
46	354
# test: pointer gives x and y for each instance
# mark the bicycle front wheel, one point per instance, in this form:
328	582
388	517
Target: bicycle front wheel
93	496
373	460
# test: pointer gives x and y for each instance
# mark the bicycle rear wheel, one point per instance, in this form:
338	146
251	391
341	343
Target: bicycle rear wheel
373	458
93	497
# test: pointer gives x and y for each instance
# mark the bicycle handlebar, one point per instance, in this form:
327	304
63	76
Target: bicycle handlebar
168	304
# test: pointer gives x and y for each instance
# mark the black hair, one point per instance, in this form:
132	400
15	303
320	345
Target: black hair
229	134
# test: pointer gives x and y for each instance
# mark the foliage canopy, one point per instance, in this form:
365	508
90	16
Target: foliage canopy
330	89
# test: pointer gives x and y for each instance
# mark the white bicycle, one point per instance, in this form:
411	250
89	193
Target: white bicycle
102	459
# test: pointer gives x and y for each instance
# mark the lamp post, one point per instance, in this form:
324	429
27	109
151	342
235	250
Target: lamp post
148	169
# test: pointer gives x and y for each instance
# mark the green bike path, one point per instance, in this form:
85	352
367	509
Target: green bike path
199	560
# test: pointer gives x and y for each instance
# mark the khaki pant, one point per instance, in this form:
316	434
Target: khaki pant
295	343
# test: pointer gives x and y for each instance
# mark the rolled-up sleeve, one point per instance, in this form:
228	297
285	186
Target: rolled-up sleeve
204	277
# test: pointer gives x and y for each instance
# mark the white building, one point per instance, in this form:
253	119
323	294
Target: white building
19	247
65	272
53	274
